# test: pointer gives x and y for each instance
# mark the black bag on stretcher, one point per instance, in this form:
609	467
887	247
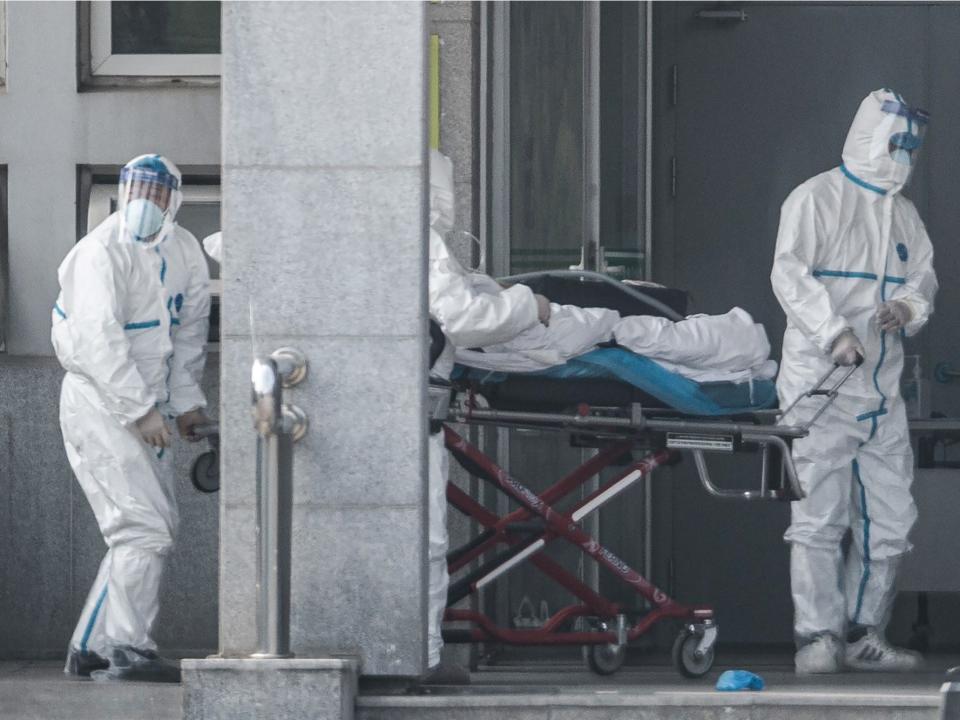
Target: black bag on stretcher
584	290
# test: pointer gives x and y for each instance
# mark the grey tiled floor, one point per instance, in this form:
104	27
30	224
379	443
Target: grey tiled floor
39	689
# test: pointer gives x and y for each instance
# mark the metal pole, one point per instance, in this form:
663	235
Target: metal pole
273	569
499	151
648	147
277	427
950	696
592	255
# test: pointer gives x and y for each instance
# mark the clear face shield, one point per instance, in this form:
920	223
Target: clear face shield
904	145
897	139
149	197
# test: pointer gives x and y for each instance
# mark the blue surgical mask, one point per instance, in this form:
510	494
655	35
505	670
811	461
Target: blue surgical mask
143	218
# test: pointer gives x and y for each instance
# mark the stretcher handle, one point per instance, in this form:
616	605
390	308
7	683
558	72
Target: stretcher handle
819	390
205	430
793	491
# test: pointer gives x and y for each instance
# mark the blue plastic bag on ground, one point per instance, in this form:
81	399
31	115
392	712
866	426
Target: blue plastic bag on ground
739	680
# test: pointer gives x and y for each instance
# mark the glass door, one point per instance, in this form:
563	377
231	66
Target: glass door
565	177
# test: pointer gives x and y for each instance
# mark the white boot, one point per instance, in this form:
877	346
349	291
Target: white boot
873	652
821	655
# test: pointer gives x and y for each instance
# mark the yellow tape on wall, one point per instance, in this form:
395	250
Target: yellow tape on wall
435	92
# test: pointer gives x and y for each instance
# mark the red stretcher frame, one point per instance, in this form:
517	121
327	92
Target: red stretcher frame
553	525
527	530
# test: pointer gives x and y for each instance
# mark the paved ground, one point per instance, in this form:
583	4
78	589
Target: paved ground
34	690
40	691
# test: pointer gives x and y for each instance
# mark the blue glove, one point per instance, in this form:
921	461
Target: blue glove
739	680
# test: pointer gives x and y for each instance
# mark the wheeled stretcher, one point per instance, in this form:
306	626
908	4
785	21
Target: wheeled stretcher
624	407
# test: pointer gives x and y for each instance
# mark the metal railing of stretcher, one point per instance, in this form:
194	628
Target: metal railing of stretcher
601	626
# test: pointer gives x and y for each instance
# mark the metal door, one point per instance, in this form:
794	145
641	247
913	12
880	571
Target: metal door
747	106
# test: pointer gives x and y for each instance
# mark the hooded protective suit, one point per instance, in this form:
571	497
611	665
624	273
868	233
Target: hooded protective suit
848	243
468	318
130	328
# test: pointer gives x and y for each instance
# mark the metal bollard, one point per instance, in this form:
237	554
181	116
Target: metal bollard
950	695
278	426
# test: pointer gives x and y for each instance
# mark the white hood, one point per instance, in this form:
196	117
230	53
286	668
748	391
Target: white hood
866	152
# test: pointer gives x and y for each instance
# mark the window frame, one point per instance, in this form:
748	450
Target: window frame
98	66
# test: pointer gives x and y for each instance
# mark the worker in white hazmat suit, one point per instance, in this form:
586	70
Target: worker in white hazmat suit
130	327
468	318
853	271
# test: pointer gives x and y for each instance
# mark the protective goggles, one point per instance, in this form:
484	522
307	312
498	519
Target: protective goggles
917	121
921	117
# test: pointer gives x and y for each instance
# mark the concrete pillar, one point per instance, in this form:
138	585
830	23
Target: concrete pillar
324	216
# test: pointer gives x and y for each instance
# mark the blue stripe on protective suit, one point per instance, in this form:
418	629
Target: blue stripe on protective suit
142	325
861	182
844	274
93	619
676	391
865	573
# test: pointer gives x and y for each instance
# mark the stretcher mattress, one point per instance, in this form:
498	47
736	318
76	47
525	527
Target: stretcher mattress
614	376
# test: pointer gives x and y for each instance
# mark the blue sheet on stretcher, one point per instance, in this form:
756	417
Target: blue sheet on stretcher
675	391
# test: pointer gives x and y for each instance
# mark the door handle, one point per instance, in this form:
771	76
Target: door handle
732	14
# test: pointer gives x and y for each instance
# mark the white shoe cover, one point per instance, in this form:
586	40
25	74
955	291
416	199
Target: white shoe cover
822	655
872	652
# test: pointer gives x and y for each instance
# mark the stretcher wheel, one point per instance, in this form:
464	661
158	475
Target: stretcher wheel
685	658
205	472
605	659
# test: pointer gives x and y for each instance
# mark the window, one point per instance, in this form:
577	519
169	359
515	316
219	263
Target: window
124	43
199	213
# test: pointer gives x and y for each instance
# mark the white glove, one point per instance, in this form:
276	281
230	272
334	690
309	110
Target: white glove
893	315
847	349
543	309
154	430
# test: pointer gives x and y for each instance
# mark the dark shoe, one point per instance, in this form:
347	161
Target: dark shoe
129	663
442	674
80	663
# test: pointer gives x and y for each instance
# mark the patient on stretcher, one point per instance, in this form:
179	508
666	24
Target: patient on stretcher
704	348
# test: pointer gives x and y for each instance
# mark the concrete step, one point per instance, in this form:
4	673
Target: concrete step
655	693
615	705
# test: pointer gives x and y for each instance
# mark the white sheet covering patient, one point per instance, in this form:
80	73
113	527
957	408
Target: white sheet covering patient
705	348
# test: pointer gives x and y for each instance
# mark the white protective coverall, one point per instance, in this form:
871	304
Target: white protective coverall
213	245
130	328
468	318
848	242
